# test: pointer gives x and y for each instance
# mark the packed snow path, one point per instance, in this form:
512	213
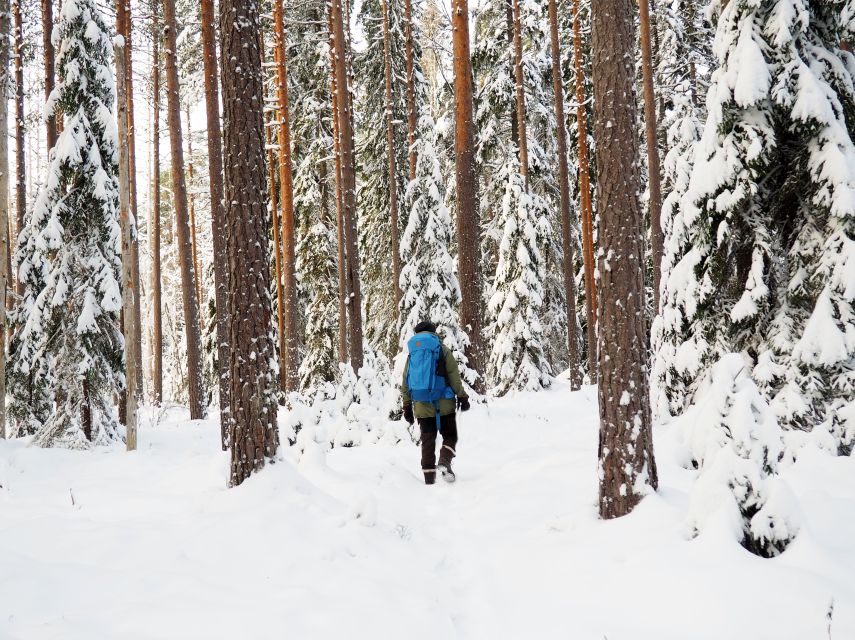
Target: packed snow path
351	544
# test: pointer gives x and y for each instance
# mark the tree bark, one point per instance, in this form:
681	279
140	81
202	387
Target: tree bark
390	153
654	174
469	254
343	296
412	107
585	195
215	183
125	222
509	34
49	63
154	229
4	202
191	204
564	198
519	90
20	130
626	446
289	376
348	184
253	398
179	194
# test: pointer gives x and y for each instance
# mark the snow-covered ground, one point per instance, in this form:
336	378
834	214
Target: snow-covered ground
351	544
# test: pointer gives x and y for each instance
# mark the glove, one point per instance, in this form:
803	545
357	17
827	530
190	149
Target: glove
408	413
463	404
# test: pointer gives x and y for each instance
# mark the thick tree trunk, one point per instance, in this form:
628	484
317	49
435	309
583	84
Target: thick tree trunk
215	183
348	183
4	202
564	198
343	296
154	229
519	91
585	195
412	107
390	153
289	375
654	175
20	130
626	446
253	398
126	222
179	196
49	62
468	236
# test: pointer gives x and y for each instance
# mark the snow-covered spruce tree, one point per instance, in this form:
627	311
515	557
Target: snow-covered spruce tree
517	360
374	193
74	319
684	55
429	285
771	206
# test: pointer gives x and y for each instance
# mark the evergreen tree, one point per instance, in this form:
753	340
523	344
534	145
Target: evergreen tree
72	253
517	360
430	290
770	209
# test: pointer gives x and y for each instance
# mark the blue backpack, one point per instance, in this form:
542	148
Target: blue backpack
426	373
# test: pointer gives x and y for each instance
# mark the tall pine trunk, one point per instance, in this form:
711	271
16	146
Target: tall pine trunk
412	107
154	229
564	198
253	434
20	130
519	92
5	272
653	170
290	380
390	152
191	205
125	221
179	198
215	184
468	235
585	194
347	182
626	446
49	64
343	295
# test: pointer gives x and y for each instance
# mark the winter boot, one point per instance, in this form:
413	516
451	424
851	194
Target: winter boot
444	467
430	475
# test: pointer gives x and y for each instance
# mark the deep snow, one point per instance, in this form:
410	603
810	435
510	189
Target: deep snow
351	544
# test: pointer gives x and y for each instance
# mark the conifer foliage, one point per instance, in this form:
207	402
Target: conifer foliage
67	345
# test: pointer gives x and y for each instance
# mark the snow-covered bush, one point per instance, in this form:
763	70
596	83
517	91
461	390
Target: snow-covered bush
733	438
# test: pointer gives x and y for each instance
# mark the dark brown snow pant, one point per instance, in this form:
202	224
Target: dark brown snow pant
448	430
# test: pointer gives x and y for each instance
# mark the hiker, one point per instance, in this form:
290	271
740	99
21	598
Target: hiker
432	381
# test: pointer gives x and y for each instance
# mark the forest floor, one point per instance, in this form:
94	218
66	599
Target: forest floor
351	543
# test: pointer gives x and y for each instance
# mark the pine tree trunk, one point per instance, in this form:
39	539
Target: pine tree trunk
519	90
509	34
191	204
179	196
564	198
154	229
390	153
20	130
468	236
253	434
343	296
585	195
654	174
49	62
626	445
348	183
215	183
5	272
412	107
126	222
289	376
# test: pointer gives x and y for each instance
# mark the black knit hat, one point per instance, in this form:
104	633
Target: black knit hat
425	326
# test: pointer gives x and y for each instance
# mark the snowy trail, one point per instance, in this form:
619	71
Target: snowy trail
351	544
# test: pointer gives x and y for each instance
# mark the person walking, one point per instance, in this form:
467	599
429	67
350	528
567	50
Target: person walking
432	391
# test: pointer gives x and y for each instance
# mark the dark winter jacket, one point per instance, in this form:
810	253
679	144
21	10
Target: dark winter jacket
446	405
